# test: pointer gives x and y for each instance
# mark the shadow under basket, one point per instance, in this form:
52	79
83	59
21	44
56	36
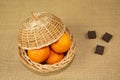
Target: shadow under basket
45	68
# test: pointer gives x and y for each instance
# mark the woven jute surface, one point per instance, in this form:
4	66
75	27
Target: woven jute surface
79	16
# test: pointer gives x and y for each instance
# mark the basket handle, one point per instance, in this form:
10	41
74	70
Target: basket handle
34	16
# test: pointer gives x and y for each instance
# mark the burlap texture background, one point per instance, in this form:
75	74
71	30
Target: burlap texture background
79	16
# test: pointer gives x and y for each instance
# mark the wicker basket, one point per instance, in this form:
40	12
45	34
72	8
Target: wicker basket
35	34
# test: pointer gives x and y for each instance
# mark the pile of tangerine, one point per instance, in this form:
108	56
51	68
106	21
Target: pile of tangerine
53	53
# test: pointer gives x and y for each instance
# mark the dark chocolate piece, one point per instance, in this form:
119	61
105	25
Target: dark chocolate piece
91	34
107	37
99	49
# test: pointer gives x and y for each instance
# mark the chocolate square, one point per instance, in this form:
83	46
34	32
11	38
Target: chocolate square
107	37
91	34
99	49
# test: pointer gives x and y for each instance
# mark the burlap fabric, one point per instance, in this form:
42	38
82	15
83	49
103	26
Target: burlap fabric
79	16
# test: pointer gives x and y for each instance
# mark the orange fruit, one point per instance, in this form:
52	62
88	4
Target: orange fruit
54	57
39	55
62	45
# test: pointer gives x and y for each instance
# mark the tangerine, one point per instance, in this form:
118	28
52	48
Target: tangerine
39	55
62	45
54	57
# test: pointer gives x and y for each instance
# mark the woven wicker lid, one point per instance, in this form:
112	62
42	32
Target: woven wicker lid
40	30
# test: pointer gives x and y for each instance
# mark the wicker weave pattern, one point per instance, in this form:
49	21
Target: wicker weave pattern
36	34
44	68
